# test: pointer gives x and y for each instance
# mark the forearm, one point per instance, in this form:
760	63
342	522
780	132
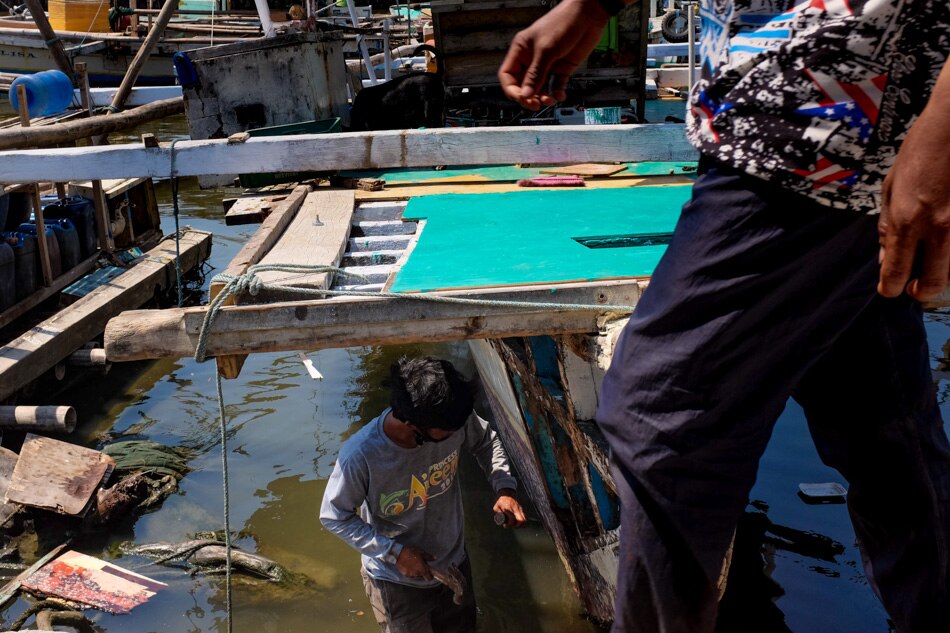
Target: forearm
361	536
487	448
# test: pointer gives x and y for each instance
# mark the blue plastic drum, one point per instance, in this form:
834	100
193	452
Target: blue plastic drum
47	92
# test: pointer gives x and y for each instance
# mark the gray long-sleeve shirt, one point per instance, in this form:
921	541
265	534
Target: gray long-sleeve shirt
382	496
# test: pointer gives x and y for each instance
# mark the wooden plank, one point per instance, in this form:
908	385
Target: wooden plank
405	192
251	210
8	461
348	322
111	187
367	150
588	170
251	253
267	235
56	476
25	358
316	237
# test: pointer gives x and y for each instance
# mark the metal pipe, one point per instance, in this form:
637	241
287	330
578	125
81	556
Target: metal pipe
364	51
691	30
387	53
263	12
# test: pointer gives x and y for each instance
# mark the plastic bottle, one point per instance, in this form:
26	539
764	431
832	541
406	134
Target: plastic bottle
47	92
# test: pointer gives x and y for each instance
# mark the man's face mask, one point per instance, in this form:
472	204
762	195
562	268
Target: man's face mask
422	437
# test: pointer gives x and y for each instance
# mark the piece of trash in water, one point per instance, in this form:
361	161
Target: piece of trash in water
308	364
830	492
101	585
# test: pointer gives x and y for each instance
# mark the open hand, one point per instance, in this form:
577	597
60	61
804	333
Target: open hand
550	50
915	214
412	562
507	504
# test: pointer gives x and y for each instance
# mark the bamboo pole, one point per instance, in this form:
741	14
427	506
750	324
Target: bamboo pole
58	133
49	419
143	53
53	42
98	196
42	246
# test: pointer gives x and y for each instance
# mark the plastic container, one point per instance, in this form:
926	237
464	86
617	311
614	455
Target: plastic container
7	276
82	212
67	236
26	263
52	245
47	92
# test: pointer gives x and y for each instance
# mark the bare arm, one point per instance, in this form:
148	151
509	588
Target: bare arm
549	51
915	214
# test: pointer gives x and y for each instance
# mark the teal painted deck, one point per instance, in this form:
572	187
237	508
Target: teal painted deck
529	237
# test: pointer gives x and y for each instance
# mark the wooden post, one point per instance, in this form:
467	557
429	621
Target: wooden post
49	419
52	40
98	196
41	244
155	34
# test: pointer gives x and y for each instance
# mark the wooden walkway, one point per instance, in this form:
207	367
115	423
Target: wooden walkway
38	350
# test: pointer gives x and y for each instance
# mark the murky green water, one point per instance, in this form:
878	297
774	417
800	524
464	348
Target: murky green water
284	433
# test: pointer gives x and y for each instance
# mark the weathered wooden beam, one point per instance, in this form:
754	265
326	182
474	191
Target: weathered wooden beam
25	358
58	133
362	150
251	253
349	322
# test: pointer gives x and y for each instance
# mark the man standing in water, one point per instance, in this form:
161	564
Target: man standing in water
818	221
394	496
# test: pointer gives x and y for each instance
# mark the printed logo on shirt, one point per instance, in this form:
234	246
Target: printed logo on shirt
434	481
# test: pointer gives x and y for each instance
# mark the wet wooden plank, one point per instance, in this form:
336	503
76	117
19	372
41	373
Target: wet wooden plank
56	476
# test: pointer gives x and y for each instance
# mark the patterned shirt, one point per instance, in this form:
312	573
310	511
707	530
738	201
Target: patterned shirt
816	95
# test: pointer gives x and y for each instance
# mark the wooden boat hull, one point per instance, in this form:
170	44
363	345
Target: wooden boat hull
108	59
543	393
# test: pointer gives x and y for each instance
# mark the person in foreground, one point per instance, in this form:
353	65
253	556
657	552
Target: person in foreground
818	222
394	496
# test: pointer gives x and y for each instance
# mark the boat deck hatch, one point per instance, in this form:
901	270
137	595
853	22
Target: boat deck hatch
625	241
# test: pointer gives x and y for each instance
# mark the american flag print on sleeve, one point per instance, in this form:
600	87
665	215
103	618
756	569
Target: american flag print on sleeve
816	95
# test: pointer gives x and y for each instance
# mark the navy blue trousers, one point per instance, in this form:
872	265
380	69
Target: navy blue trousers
764	295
